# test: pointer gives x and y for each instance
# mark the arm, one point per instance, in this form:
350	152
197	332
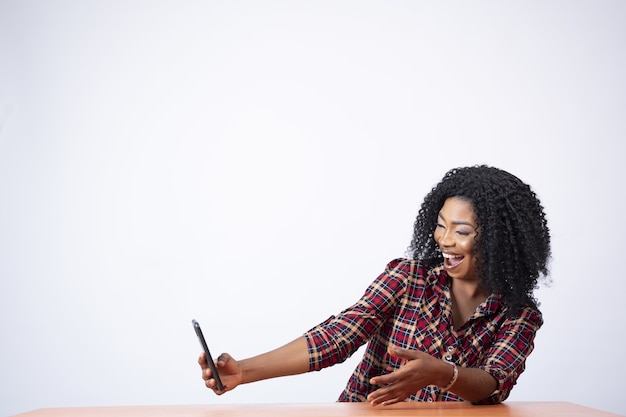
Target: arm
328	343
290	359
472	384
422	369
489	382
506	358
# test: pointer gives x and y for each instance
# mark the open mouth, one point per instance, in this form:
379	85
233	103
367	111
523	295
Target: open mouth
452	261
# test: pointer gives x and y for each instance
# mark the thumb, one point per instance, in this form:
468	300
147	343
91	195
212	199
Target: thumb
407	354
223	358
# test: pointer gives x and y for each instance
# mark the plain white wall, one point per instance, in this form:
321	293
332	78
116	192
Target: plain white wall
254	165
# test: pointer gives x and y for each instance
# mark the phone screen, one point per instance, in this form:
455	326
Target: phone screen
209	358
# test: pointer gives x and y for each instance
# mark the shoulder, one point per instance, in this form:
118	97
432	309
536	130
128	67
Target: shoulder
415	269
531	315
528	318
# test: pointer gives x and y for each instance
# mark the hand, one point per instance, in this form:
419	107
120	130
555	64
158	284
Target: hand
420	370
229	370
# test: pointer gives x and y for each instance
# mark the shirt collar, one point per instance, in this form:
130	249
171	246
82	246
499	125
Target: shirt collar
438	278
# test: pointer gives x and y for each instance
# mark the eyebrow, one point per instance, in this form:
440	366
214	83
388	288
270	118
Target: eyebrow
457	223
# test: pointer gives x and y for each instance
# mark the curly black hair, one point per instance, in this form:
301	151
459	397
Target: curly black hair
513	244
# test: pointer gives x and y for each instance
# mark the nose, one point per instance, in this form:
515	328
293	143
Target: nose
446	239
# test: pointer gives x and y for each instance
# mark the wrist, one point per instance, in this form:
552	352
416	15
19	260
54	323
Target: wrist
248	371
453	374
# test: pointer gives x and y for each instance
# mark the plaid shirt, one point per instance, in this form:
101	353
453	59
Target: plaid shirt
409	306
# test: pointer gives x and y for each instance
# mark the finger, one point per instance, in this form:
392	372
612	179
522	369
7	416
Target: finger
392	401
373	399
382	380
388	379
380	395
207	374
386	399
202	360
212	384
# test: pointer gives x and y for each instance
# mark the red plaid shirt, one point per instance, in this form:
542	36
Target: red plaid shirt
409	306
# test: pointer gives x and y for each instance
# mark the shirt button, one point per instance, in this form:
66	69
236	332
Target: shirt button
430	400
448	356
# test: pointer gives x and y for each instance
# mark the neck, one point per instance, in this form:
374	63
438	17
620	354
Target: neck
466	297
468	290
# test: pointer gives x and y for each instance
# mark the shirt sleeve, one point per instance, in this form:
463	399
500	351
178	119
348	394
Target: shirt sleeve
507	356
337	338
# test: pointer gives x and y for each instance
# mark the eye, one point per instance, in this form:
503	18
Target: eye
441	225
463	233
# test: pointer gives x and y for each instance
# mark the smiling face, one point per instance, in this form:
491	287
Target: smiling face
455	234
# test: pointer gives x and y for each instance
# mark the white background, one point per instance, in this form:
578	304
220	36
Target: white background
255	164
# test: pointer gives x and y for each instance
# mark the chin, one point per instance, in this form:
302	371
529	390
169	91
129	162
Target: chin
464	275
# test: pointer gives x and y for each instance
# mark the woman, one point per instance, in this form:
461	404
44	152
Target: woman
456	322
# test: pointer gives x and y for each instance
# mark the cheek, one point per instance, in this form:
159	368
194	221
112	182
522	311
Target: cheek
468	247
437	235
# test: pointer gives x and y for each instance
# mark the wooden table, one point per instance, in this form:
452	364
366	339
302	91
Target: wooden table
442	409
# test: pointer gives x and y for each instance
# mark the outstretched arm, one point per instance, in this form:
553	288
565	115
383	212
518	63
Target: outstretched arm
290	359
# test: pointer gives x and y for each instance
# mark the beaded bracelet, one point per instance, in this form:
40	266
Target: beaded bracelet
455	375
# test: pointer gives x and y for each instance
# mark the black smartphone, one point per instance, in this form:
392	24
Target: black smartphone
209	358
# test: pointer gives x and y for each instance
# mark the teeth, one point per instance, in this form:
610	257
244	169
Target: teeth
450	263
